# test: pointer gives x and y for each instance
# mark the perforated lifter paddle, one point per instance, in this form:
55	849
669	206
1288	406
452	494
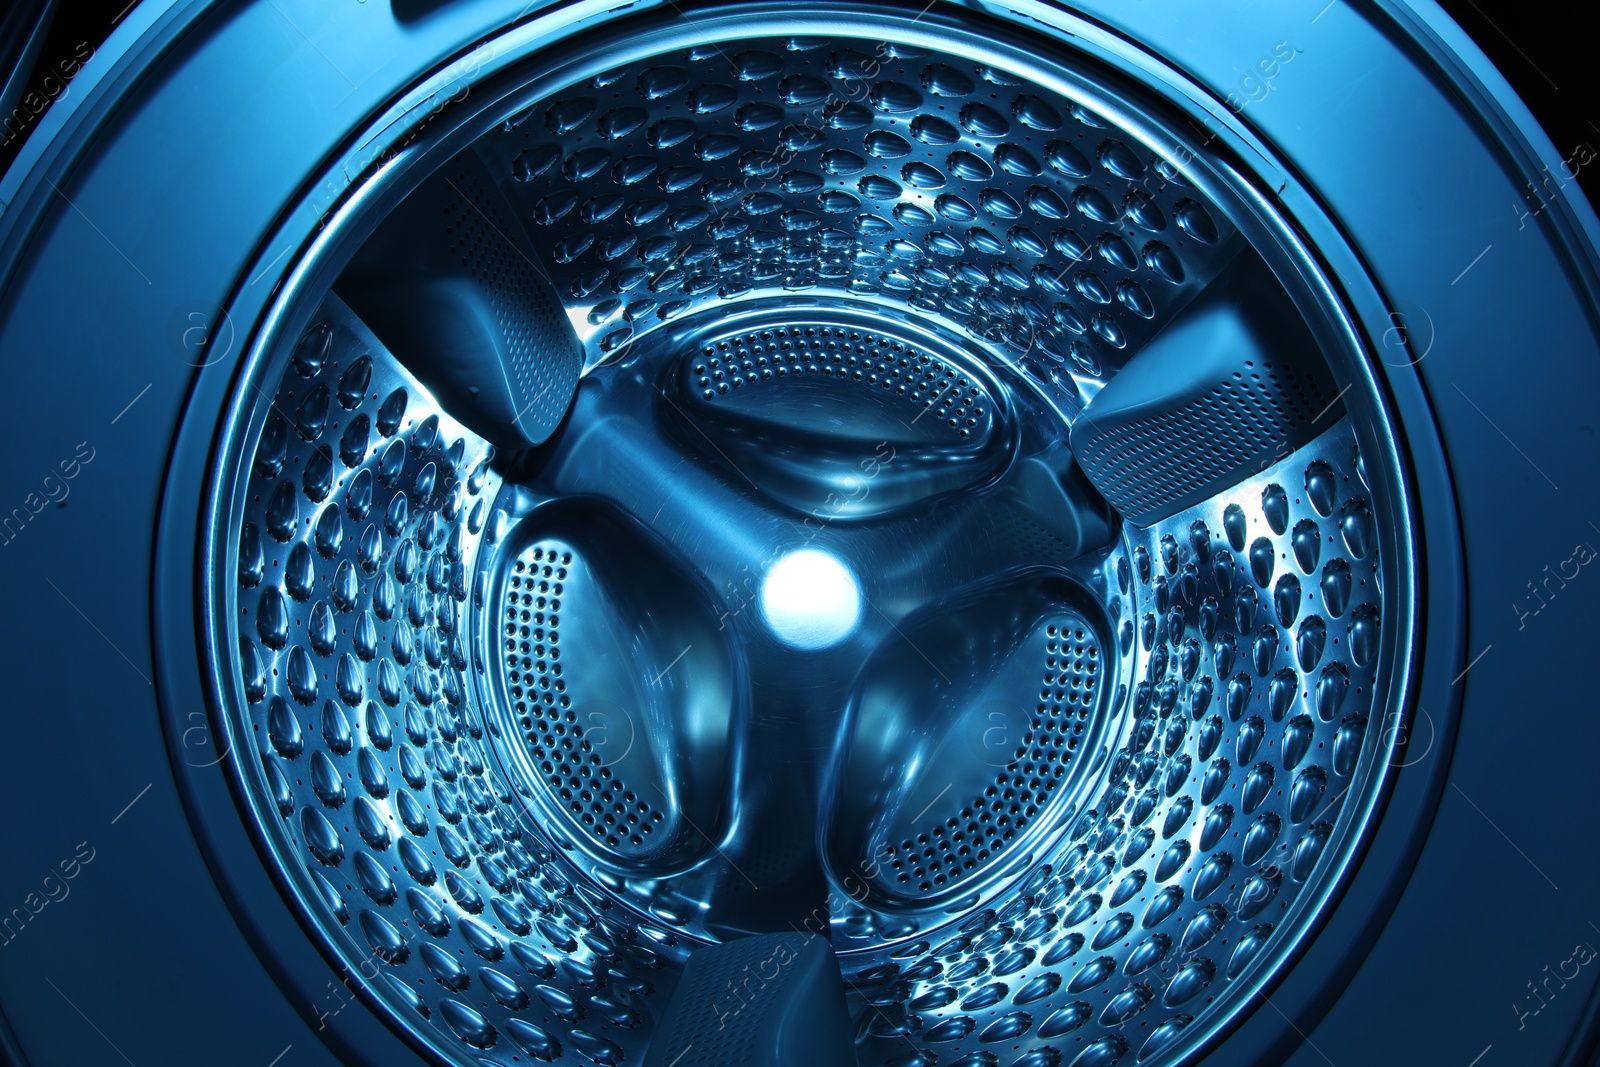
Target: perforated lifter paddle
451	285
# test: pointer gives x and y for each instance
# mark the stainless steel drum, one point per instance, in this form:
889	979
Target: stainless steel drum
938	497
959	542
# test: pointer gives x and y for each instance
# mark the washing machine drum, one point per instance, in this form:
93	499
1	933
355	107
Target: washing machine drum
768	536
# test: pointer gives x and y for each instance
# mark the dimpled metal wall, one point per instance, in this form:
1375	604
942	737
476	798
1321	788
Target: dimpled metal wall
1189	722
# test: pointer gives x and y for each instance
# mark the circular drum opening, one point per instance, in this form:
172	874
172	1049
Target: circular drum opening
860	478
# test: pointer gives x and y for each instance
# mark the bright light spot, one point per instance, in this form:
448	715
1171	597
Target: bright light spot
810	599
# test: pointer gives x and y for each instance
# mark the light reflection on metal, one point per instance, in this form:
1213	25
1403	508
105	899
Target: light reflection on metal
810	599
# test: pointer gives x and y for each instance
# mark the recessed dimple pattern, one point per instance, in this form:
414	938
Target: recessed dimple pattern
1244	730
1245	739
375	780
871	168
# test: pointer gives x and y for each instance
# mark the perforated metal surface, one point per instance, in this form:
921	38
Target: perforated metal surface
1249	630
539	359
1248	640
965	832
929	386
1146	465
375	781
1136	869
788	163
574	768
